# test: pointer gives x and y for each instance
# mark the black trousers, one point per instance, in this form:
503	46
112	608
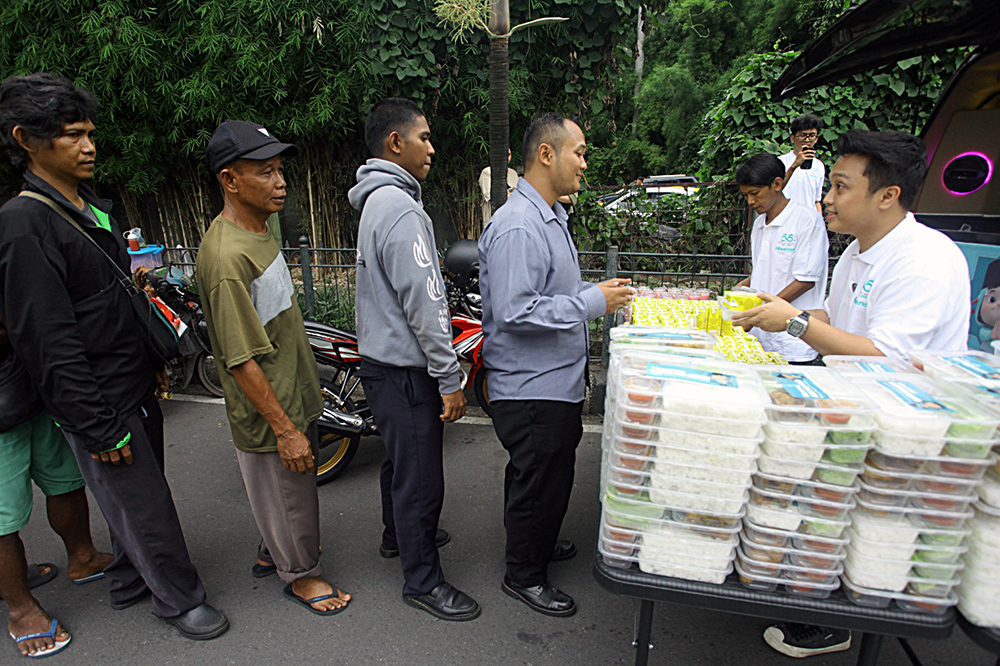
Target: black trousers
541	437
406	405
146	536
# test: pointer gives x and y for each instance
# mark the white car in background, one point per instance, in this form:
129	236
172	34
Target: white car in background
641	198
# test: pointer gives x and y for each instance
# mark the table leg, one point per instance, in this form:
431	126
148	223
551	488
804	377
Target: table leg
645	629
870	645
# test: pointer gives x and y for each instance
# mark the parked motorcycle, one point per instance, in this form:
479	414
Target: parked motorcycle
196	350
346	416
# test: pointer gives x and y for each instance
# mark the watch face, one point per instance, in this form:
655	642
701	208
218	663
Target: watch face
796	327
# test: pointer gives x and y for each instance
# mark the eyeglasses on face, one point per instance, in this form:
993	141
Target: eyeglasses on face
805	136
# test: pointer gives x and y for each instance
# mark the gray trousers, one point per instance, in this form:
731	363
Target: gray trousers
149	548
285	506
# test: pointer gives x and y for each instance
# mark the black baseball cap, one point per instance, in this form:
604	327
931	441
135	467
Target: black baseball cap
236	139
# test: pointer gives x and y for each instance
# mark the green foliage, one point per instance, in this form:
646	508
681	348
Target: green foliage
332	305
745	122
168	73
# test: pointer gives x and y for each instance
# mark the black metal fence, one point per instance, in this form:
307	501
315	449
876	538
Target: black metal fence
324	277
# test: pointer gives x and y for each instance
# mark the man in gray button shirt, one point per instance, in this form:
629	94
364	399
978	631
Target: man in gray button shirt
535	314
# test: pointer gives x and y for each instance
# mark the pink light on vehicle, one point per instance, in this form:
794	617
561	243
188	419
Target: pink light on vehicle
956	179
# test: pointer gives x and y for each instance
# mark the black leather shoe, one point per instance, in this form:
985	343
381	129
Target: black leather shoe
446	602
542	598
440	539
564	550
200	623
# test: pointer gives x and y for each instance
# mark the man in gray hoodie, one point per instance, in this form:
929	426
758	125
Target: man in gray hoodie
409	369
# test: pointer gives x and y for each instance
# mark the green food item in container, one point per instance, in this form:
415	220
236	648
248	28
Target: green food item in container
837	477
967	449
942	538
845	456
969	430
849	436
822	528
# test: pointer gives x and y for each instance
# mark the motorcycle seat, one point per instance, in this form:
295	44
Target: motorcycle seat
329	331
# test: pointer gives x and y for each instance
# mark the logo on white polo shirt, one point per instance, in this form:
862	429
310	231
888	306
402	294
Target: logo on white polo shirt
861	296
786	243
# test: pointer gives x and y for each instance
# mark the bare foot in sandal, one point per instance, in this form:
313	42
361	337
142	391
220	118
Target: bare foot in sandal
310	588
36	621
88	564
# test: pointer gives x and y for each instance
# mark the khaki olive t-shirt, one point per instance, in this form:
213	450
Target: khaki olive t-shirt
250	307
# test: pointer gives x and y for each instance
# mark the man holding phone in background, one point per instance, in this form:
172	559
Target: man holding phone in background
804	174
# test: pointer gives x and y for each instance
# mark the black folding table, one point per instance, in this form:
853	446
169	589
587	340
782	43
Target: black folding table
731	597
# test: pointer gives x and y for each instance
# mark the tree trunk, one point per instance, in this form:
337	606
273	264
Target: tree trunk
499	122
499	99
640	60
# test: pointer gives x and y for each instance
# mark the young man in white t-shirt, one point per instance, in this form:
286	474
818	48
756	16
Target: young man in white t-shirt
788	246
899	286
804	174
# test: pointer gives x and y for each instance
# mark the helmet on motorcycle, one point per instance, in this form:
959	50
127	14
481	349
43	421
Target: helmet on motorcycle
461	260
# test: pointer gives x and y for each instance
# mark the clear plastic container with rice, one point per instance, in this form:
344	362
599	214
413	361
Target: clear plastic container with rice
989	489
808	396
681	551
797	581
791	556
665	455
907	601
966	367
920	517
895	497
868	365
711	397
919	416
661	337
691	494
946	474
724	444
824	471
805	488
979	592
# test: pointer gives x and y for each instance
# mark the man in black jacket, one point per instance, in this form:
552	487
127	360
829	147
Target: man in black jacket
72	325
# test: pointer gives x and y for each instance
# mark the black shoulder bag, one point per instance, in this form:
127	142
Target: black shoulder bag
19	399
157	331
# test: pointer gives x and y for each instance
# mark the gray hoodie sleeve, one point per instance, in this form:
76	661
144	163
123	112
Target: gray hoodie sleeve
408	258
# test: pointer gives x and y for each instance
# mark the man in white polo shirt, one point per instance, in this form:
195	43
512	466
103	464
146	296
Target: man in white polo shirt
788	245
899	286
804	173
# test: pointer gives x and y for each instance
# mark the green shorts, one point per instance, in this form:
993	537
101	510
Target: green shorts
35	450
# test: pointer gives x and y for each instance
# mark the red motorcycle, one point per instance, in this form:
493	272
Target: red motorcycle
346	415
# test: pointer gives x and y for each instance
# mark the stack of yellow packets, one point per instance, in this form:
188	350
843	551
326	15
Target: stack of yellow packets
732	341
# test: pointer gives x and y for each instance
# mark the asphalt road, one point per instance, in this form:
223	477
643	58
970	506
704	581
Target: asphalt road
378	628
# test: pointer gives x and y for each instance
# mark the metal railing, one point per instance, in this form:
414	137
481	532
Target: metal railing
324	278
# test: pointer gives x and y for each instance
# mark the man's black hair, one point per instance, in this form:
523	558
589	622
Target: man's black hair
548	127
760	170
807	122
894	158
42	104
392	114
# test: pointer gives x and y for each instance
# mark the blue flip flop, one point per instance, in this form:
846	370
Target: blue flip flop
58	646
307	603
88	579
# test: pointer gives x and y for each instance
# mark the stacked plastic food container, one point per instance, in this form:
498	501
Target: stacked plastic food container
979	590
682	431
818	431
917	488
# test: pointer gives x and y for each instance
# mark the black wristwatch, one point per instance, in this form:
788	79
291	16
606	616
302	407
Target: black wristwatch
797	325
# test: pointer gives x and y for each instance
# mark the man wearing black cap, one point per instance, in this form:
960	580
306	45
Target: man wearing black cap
268	374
